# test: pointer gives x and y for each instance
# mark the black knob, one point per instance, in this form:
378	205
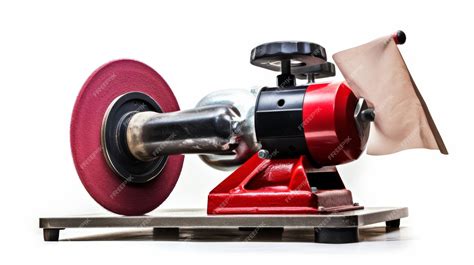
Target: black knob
305	60
399	37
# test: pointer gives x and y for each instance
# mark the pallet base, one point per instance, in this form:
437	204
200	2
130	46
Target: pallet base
328	228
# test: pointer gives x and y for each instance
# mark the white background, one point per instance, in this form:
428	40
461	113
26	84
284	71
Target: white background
48	49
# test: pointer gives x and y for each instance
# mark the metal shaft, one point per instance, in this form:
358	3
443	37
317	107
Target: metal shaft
209	129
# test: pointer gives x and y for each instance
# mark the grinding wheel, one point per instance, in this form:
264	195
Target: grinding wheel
103	89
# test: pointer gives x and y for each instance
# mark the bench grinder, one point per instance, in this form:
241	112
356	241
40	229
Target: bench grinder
128	136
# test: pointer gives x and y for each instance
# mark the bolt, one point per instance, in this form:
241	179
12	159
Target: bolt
368	115
263	154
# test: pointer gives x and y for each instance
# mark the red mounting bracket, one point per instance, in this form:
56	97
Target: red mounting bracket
280	186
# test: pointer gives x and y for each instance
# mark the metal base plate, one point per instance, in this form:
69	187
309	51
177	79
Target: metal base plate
329	228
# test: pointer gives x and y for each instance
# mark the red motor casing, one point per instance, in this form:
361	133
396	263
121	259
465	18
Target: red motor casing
330	128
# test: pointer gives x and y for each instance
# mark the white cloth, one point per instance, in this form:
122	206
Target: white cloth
377	72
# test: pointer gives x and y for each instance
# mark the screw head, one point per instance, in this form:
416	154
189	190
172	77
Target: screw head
263	154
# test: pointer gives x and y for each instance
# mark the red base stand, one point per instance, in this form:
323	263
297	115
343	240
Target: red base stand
280	186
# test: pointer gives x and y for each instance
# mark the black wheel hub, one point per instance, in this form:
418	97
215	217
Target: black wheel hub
114	139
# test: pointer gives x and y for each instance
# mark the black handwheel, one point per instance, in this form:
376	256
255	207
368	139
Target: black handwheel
305	60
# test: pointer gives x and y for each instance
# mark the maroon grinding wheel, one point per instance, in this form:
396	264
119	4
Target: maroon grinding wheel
111	190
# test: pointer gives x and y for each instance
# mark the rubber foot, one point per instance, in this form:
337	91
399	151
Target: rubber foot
166	233
51	234
393	223
336	235
262	232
